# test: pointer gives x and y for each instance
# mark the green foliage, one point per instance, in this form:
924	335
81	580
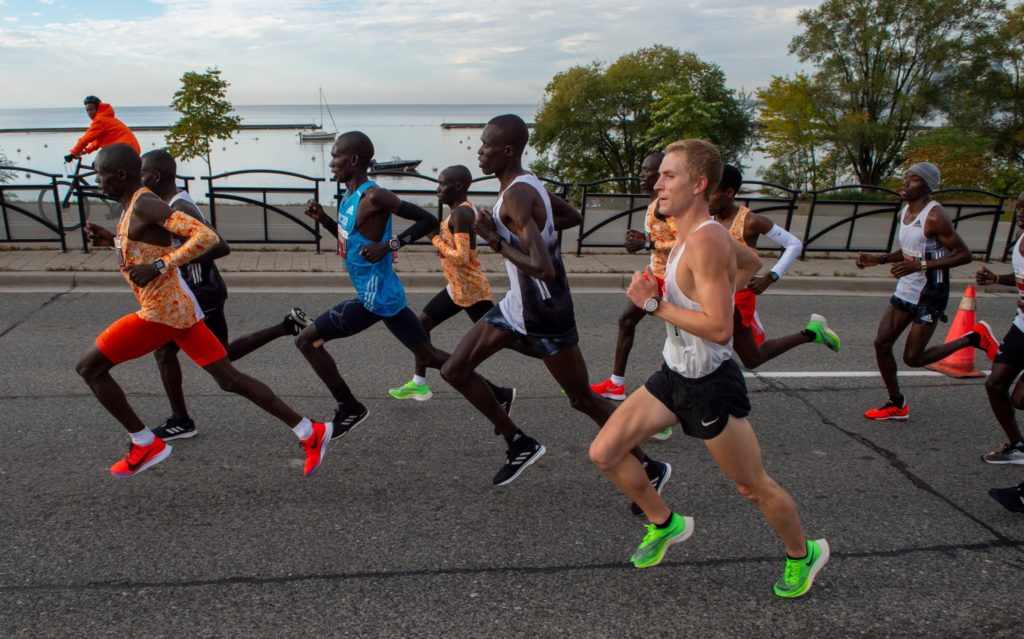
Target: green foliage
5	176
598	121
964	158
205	116
879	65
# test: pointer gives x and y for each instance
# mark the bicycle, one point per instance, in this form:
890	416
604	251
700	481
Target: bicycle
47	202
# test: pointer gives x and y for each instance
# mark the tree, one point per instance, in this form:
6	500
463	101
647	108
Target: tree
793	135
205	116
5	176
878	66
964	158
597	121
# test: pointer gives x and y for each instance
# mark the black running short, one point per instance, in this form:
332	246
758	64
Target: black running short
217	323
442	307
545	346
1011	349
702	405
921	313
351	317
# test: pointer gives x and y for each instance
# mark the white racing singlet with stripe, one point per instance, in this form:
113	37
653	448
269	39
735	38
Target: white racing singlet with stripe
532	306
1018	275
690	356
929	288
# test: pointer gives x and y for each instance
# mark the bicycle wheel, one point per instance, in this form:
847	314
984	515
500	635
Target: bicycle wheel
69	216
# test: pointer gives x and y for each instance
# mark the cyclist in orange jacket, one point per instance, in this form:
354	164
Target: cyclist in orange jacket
104	130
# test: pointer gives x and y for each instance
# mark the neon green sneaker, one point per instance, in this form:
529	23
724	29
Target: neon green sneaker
822	333
663	434
411	390
657	540
799	575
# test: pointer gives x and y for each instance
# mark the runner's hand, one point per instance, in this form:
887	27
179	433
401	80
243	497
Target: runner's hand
375	252
899	269
484	225
99	236
864	260
69	157
315	211
642	287
634	244
984	277
759	284
142	274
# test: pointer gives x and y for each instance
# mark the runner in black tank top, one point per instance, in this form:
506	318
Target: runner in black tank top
523	231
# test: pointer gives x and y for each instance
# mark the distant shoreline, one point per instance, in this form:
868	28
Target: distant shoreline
79	129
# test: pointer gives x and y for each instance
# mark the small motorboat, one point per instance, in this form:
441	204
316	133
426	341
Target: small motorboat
394	164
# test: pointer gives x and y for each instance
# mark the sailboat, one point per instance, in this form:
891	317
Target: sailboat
321	136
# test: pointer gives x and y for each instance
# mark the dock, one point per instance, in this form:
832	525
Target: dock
81	129
471	125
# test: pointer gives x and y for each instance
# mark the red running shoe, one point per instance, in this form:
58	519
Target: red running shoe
890	411
988	343
315	446
140	458
610	389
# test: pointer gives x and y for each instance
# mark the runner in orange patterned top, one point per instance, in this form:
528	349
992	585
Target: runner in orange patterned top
747	227
168	312
660	237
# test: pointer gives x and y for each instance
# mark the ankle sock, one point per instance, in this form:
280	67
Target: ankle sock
144	437
419	380
618	380
898	400
665	524
304	429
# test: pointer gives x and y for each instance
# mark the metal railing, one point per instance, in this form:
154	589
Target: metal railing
29	208
862	208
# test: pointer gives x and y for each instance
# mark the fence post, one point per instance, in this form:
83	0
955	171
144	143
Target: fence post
213	200
583	220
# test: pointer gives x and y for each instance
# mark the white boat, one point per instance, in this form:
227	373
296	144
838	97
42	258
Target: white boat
321	136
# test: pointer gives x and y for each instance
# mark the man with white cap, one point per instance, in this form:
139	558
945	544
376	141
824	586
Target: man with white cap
928	247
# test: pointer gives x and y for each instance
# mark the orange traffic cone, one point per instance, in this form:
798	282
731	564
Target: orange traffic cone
960	363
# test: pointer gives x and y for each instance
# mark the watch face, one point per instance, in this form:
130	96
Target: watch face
651	304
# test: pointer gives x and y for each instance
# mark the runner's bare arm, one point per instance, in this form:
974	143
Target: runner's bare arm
315	211
382	200
522	206
938	226
748	263
564	215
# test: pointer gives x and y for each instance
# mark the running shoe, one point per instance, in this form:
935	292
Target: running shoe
662	434
140	458
1006	454
652	549
658	473
520	454
988	342
315	446
296	320
889	411
176	428
411	390
1011	498
822	333
346	418
610	389
800	573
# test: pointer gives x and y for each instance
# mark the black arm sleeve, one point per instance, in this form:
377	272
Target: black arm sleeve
424	222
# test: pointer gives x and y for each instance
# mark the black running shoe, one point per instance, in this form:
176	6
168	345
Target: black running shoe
345	419
658	472
296	320
176	428
1012	498
520	454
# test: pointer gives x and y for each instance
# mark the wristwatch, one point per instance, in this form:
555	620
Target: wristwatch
495	244
160	266
924	266
394	243
651	304
773	276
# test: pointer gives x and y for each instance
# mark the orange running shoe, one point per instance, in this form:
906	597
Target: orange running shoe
315	446
890	411
988	342
610	389
140	458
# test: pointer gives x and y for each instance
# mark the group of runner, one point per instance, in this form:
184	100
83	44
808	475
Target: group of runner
702	282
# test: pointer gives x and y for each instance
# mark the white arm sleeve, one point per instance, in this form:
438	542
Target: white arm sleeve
790	243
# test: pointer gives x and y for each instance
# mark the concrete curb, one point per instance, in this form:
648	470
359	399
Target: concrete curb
320	281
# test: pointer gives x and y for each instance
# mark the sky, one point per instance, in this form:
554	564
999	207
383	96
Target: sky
133	52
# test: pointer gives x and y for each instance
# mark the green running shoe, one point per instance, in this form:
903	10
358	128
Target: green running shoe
799	575
657	540
822	333
411	390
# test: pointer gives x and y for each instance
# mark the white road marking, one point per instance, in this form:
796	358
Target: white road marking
828	374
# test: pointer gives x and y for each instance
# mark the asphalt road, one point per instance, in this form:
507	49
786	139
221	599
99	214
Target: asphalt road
402	534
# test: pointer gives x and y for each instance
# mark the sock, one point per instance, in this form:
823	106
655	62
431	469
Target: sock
342	394
665	523
809	334
304	429
516	437
618	380
897	400
144	437
973	338
419	380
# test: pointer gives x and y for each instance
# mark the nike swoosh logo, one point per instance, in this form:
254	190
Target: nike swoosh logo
149	454
810	558
706	424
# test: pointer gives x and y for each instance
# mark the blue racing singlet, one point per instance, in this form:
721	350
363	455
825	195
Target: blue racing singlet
378	287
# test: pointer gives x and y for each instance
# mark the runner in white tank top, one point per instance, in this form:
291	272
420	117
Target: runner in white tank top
699	385
1007	367
929	247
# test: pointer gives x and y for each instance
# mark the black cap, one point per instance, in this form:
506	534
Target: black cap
91	98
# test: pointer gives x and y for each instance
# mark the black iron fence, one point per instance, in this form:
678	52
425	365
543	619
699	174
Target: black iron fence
264	206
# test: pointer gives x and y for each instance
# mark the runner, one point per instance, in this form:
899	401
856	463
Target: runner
1009	359
363	228
746	226
929	247
158	175
537	311
104	130
169	312
699	385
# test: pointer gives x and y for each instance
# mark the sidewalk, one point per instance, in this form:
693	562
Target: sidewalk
264	266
